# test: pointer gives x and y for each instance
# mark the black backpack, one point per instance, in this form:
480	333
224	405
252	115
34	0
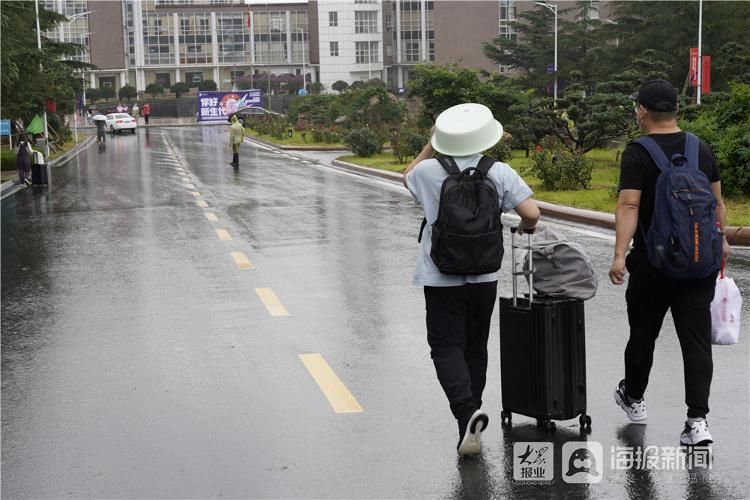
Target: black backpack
467	236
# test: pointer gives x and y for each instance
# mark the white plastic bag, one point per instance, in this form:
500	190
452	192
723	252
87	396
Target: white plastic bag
726	309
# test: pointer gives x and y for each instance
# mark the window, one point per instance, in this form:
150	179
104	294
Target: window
364	1
271	38
333	19
164	79
334	49
412	51
195	39
388	25
366	52
233	37
365	21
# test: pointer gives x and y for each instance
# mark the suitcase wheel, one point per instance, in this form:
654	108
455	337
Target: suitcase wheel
506	419
547	426
585	422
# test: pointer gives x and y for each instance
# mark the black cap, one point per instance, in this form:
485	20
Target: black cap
657	95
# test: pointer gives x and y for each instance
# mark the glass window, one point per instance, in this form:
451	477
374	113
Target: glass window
233	37
158	39
195	38
366	52
333	19
270	37
334	49
365	21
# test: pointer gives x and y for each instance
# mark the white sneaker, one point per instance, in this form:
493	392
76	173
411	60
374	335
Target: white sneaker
471	443
696	434
636	412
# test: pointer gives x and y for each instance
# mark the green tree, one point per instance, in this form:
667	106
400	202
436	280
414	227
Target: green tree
339	85
207	85
643	25
180	88
316	87
154	89
29	76
128	92
440	87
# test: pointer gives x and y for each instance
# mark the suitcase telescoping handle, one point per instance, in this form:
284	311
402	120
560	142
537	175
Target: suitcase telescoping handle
527	273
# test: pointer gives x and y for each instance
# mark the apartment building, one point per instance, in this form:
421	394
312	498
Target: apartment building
139	42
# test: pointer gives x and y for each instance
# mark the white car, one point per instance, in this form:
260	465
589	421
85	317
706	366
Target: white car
117	122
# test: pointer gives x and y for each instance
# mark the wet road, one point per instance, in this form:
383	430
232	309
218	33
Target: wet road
147	353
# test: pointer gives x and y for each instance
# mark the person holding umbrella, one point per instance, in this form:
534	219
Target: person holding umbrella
101	128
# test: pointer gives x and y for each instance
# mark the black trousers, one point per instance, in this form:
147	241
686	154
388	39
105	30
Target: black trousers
649	296
458	326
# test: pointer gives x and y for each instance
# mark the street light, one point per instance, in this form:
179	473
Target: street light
39	46
553	8
609	21
700	53
304	76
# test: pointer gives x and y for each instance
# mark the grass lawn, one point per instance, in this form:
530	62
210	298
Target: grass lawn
295	140
599	197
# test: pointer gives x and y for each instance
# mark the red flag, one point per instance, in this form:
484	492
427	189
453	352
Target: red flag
706	82
250	20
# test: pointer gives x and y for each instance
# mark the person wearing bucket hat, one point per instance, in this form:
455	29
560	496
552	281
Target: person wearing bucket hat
459	307
650	292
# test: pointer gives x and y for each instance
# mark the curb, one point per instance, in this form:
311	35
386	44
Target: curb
293	148
72	152
737	236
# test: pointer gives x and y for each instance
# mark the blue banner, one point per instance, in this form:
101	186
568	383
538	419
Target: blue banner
4	127
216	106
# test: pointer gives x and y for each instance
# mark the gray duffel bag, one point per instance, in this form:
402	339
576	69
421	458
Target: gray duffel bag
561	267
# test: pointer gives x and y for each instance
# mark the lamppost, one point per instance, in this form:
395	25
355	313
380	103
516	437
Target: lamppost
304	75
700	53
553	8
39	46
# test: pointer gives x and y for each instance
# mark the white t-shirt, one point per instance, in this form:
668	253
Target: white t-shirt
424	183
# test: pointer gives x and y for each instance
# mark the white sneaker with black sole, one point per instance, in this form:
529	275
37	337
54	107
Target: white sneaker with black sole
696	434
635	411
471	443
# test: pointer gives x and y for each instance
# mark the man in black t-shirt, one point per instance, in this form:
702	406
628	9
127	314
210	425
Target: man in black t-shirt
650	294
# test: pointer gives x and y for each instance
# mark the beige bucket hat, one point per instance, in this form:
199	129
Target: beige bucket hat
466	129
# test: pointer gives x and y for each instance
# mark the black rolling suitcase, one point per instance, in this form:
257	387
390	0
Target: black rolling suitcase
542	355
39	172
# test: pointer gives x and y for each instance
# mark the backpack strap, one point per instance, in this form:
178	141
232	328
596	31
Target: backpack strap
449	164
421	229
655	152
692	145
485	164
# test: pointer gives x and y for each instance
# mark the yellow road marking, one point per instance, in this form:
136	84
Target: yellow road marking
211	216
332	387
182	174
190	186
195	193
272	302
201	204
223	234
241	260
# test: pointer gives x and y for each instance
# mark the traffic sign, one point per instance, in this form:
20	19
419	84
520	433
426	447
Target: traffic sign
302	92
4	127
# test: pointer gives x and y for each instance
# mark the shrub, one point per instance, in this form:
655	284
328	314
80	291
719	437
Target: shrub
7	159
207	85
128	92
154	89
93	95
409	144
559	168
107	92
316	87
726	129
180	88
339	85
363	142
500	151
